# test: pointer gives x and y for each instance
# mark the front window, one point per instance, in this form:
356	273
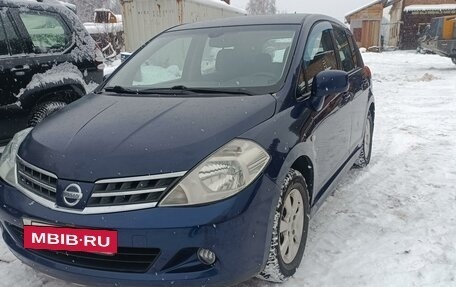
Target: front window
253	59
319	55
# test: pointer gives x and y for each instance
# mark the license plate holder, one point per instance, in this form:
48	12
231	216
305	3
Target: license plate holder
43	236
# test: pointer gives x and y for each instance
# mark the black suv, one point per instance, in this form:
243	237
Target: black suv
47	60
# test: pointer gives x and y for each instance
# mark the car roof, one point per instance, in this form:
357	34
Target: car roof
31	3
278	19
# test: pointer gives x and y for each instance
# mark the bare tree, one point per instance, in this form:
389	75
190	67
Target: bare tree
262	7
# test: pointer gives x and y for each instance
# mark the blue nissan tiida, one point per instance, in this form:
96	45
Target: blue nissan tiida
198	162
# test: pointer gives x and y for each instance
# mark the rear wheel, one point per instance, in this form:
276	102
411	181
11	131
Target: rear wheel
366	150
289	235
43	110
454	60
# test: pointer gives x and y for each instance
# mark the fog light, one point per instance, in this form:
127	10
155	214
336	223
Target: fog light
206	256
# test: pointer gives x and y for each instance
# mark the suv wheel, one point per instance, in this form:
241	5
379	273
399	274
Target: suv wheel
366	150
43	110
289	236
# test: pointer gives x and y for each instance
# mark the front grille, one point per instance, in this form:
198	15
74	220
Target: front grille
107	196
131	191
36	180
131	260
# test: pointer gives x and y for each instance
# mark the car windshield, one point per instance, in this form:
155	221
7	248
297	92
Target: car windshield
251	59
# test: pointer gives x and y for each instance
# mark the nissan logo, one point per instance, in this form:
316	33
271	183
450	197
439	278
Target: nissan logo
72	195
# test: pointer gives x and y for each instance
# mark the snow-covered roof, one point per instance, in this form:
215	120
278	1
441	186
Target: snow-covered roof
220	4
101	28
434	7
366	6
102	10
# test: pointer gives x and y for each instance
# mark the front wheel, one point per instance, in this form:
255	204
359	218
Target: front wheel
366	149
289	236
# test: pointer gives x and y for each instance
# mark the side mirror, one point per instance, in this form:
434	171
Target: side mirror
328	83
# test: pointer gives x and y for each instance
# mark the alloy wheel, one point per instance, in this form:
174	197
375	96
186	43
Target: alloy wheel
291	226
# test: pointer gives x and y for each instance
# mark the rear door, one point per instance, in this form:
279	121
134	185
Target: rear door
47	38
351	62
16	66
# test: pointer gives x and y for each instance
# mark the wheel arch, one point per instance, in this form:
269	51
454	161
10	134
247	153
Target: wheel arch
33	97
304	165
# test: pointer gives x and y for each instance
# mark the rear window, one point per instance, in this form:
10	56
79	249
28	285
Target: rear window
355	51
345	52
47	32
3	43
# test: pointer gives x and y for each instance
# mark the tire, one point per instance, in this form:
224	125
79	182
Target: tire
454	60
282	261
43	110
366	150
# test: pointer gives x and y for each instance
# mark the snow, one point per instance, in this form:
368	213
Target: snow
57	74
392	223
103	28
151	74
220	4
436	7
111	67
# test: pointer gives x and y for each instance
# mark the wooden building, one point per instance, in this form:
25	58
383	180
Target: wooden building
408	19
365	23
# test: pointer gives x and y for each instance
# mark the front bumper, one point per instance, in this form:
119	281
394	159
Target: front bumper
238	230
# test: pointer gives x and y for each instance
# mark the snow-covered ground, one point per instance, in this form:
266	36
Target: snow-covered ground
111	67
393	223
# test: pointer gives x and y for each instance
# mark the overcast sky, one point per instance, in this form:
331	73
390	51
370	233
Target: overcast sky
335	8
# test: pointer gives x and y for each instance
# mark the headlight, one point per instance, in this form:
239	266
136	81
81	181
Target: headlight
225	173
8	159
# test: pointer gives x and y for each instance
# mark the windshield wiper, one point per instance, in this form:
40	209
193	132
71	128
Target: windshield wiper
121	90
231	91
177	89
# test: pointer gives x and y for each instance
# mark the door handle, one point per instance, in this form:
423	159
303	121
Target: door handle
20	70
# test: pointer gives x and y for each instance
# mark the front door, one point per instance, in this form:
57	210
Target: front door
332	124
15	75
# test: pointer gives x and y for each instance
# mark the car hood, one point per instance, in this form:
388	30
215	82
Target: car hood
105	136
